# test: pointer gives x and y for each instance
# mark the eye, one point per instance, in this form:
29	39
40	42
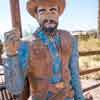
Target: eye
54	10
41	11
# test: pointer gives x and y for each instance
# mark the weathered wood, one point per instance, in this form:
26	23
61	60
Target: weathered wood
1	50
91	87
89	53
89	71
5	95
98	21
15	14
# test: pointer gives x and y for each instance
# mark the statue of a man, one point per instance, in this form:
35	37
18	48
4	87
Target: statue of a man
49	60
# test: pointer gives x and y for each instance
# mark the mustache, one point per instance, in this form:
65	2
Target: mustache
50	21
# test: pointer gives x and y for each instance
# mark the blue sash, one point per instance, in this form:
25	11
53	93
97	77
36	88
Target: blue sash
23	55
57	64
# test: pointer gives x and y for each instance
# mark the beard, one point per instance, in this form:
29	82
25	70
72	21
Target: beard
49	29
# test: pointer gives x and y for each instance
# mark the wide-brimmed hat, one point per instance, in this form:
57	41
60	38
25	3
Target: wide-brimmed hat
33	4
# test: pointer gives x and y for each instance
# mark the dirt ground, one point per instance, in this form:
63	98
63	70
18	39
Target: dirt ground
95	92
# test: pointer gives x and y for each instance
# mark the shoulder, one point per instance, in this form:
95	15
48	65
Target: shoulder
68	35
31	42
28	40
65	33
24	47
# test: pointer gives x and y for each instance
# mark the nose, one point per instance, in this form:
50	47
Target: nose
48	11
48	15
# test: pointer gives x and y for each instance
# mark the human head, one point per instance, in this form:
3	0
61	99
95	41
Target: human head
46	12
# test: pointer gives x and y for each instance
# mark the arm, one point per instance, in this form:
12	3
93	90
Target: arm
13	75
16	69
26	92
15	62
74	69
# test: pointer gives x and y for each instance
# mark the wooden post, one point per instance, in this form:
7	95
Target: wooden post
1	51
15	14
98	29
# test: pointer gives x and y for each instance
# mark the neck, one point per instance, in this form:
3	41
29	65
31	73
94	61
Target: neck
50	34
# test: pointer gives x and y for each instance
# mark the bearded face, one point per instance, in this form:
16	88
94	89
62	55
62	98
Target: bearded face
48	18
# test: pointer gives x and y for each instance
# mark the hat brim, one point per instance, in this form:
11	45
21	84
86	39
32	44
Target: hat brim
33	4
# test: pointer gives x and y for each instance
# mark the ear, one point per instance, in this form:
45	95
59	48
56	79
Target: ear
36	16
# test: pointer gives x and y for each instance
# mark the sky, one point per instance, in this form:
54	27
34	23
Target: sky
78	15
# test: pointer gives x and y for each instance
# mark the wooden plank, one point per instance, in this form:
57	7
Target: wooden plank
1	51
84	72
8	95
5	95
91	87
15	14
2	95
2	79
89	53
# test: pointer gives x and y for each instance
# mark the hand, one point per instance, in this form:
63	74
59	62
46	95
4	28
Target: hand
88	96
12	40
56	87
60	85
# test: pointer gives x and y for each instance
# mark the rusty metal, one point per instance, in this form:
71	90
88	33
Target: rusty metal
89	53
88	71
15	14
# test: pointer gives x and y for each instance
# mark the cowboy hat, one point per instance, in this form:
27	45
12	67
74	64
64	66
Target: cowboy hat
33	4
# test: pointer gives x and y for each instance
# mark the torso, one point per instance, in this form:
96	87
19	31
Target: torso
40	61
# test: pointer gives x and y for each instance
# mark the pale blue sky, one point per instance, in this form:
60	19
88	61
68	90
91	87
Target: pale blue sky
78	15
